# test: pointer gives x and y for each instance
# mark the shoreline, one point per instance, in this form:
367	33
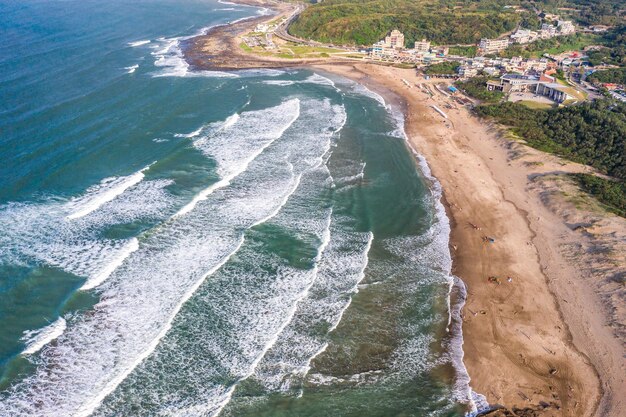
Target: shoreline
525	344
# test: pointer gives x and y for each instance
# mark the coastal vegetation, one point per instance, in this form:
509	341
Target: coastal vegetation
552	46
593	133
476	87
613	51
612	194
363	22
442	68
468	51
613	75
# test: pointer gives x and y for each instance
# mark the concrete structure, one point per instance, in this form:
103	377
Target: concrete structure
565	27
555	92
547	31
440	50
422	46
395	40
544	86
466	71
489	46
523	36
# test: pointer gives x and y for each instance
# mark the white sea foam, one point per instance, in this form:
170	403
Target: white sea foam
279	82
131	69
439	251
108	269
41	234
37	339
139	43
232	161
190	135
103	193
169	57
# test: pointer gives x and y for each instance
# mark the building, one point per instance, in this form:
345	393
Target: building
395	40
440	50
548	30
380	50
514	83
565	27
422	46
489	46
466	71
555	92
523	36
544	86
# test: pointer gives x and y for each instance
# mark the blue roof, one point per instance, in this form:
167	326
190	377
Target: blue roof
452	88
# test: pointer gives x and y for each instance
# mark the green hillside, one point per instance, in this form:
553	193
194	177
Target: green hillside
364	22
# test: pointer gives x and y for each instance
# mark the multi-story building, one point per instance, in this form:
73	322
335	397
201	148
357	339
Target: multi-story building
395	40
543	86
565	27
547	31
489	46
422	46
523	36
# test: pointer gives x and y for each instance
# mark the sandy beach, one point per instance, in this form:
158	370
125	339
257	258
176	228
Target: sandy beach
544	319
538	331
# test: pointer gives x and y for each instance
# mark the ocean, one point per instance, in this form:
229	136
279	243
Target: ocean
181	243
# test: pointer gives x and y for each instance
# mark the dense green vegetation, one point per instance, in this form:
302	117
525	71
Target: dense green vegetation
614	51
476	87
364	22
552	46
614	75
610	193
586	12
593	133
469	51
442	68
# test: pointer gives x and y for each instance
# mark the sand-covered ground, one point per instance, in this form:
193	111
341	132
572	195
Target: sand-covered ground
544	322
548	325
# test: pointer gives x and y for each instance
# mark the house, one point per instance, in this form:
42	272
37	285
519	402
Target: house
565	27
523	36
466	71
547	31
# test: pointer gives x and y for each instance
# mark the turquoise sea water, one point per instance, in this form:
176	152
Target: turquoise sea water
257	243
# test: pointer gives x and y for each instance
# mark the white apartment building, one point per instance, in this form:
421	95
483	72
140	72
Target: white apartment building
493	45
422	46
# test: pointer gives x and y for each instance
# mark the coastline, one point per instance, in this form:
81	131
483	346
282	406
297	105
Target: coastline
522	340
527	342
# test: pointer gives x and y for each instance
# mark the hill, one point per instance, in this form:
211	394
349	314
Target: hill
364	22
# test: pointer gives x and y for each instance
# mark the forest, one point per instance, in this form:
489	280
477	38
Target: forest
363	22
477	87
443	22
613	75
593	133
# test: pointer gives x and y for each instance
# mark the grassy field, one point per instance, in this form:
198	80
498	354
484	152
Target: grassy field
292	51
535	104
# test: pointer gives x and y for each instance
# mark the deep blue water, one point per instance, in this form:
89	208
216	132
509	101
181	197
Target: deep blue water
256	243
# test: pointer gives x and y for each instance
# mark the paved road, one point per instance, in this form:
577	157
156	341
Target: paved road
281	30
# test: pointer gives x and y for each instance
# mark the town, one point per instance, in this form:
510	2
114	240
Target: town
548	79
